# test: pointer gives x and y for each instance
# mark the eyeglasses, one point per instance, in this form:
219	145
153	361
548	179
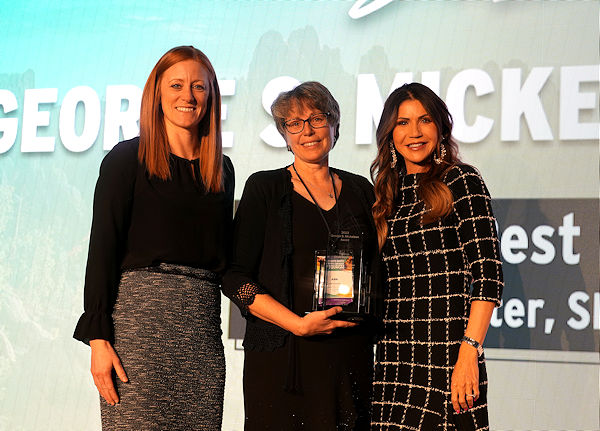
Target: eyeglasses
316	121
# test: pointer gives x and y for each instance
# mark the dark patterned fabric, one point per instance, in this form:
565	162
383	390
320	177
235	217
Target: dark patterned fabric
168	337
433	272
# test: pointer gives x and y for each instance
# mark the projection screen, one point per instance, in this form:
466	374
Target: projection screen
521	79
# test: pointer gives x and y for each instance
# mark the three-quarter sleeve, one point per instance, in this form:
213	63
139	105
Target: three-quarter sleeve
477	232
240	282
111	214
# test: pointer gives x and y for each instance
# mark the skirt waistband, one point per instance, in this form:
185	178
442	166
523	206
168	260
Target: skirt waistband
175	269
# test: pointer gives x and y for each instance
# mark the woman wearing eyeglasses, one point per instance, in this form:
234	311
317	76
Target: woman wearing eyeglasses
302	369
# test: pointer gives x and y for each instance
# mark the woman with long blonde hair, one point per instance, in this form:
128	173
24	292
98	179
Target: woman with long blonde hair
159	243
443	274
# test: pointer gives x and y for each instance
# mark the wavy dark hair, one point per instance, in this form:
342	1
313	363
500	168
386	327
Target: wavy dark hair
436	195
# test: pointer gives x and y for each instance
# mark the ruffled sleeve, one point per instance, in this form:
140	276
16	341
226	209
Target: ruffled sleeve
477	232
111	216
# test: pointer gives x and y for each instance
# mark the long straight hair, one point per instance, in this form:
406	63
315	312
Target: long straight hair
154	147
436	195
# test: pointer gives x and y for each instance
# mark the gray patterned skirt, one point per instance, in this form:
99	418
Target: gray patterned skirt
168	337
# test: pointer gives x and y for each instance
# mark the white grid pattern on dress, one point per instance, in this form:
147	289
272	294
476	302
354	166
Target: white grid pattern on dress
433	272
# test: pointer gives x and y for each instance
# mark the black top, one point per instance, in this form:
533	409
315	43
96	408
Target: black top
140	221
310	234
326	385
433	272
263	247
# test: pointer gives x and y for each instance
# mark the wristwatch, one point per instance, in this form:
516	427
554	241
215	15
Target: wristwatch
473	343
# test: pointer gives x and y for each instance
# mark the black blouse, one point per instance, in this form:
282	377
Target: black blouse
140	221
263	247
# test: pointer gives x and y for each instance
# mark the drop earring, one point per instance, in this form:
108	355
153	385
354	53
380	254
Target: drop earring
394	157
442	154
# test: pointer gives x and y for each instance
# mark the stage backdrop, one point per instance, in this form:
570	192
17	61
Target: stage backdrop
521	80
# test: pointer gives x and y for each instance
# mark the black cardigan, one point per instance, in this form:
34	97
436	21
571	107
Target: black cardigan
262	249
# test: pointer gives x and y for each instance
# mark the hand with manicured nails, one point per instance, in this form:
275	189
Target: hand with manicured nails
465	378
104	359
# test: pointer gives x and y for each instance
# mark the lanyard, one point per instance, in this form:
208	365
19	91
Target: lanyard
337	209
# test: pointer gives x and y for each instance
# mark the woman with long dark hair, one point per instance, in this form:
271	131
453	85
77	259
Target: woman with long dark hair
442	269
159	243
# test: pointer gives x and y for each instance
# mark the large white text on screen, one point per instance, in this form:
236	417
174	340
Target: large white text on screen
519	98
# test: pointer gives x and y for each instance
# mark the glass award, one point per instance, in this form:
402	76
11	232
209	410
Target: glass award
341	278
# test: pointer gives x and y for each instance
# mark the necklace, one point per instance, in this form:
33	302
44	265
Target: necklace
337	210
331	195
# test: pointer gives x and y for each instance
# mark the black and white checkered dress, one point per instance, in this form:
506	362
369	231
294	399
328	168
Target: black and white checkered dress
433	272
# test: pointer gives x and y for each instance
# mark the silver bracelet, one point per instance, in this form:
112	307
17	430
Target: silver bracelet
473	343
